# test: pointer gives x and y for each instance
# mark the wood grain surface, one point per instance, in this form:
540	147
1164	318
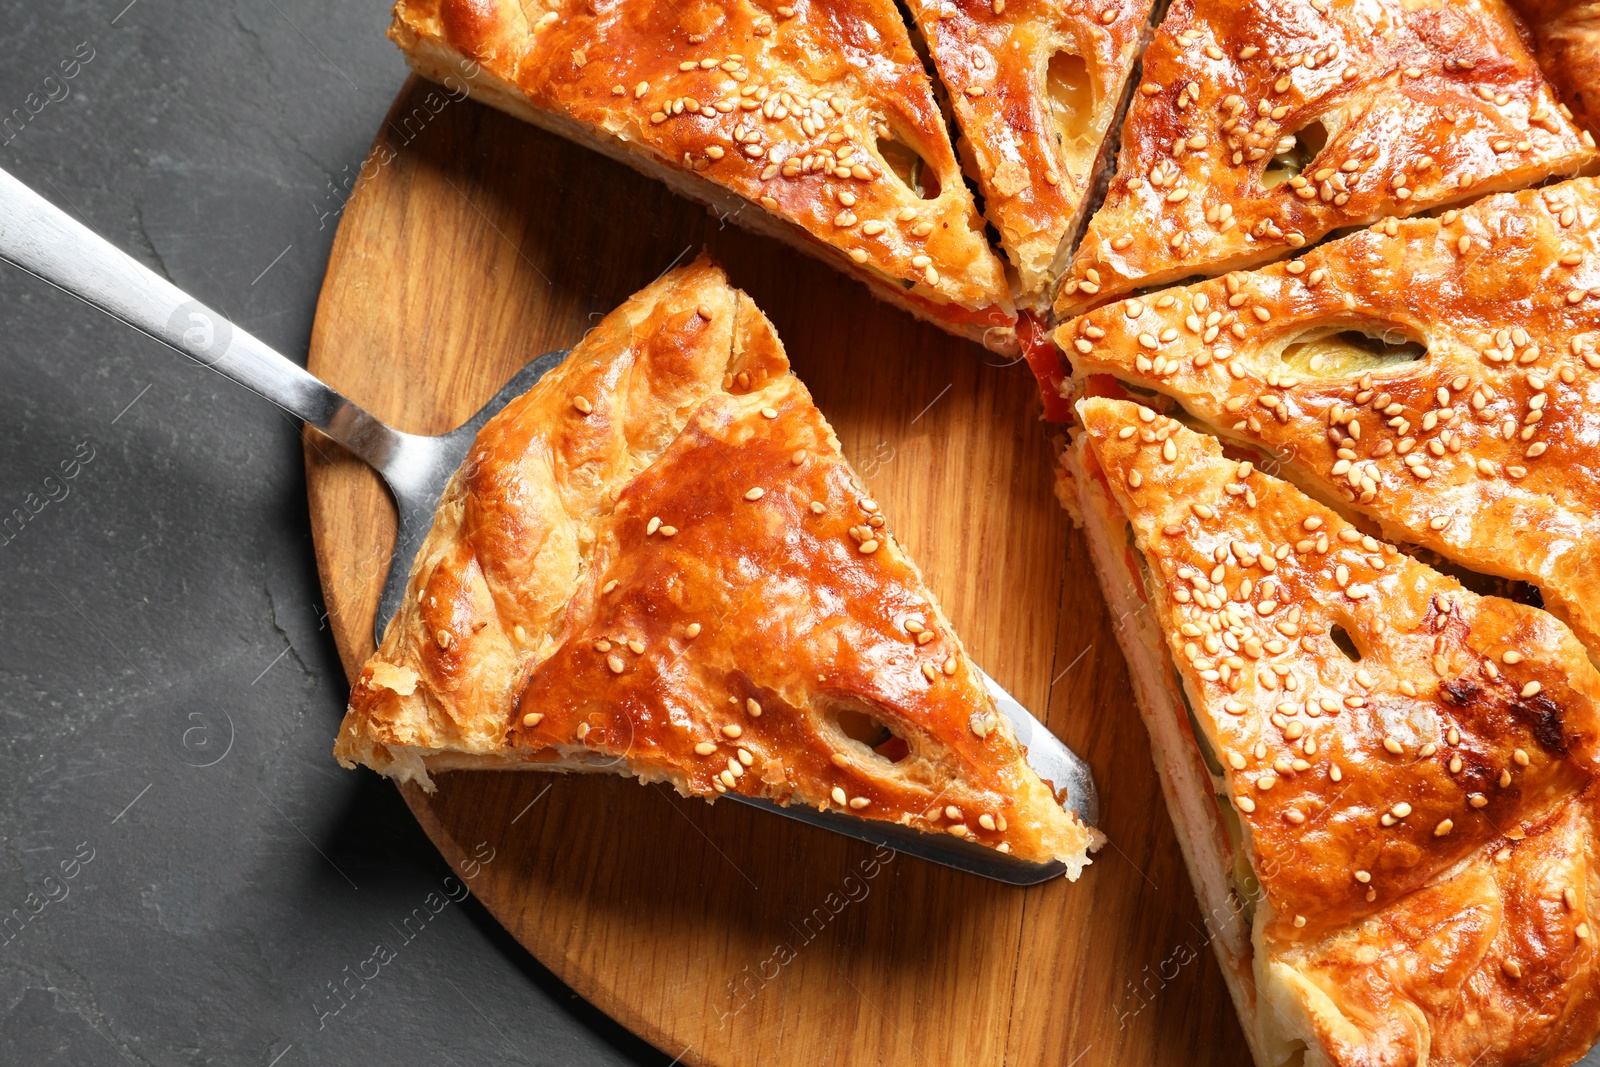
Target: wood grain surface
719	933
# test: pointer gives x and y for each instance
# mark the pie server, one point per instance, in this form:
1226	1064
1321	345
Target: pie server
42	240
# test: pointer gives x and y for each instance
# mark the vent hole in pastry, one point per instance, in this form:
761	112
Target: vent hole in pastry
1341	353
1295	153
1345	643
1071	96
871	732
912	170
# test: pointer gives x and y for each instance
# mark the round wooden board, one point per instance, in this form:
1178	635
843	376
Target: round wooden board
720	933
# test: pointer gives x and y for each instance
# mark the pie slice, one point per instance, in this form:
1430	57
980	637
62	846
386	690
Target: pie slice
1035	86
1438	375
1261	126
1567	34
1383	783
813	124
657	563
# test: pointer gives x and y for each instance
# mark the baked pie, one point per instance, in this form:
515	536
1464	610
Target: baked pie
1261	126
817	126
657	563
1036	86
1438	375
1383	783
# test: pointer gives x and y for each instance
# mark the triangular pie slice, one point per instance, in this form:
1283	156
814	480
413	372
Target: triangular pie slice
1261	126
1567	36
657	563
1035	86
1383	782
1438	375
815	124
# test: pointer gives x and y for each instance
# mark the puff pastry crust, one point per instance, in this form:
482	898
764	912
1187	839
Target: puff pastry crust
781	117
1567	33
657	563
1410	765
1390	107
1482	450
1035	86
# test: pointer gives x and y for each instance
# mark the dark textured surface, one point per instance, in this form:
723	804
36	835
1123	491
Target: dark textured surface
168	688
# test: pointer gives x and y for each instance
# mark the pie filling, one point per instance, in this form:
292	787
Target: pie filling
1071	96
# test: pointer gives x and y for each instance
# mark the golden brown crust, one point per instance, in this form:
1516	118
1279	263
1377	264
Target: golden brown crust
788	108
1490	966
1567	37
1423	102
1035	86
1412	808
1483	450
658	562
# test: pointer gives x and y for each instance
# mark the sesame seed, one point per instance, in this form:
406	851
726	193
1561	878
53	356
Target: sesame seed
705	748
755	494
636	647
753	706
869	546
1363	877
839	797
692	631
733	729
533	718
615	663
1531	689
582	404
1244	804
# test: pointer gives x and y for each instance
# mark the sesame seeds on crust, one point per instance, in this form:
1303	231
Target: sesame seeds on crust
1474	448
1246	155
1363	740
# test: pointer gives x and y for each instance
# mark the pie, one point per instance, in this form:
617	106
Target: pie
1384	783
1438	375
1036	86
657	563
821	130
1261	126
1567	33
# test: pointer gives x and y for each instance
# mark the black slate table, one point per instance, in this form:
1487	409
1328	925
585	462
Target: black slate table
187	876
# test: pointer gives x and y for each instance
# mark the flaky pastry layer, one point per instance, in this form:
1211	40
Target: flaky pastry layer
657	562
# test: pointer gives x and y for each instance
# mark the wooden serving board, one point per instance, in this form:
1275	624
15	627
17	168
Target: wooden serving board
722	934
